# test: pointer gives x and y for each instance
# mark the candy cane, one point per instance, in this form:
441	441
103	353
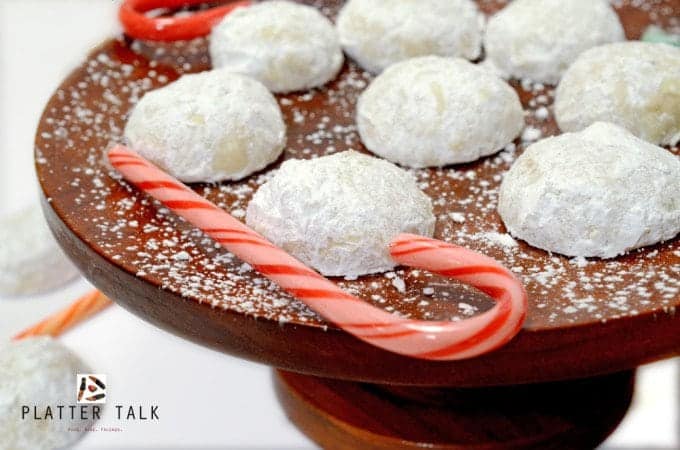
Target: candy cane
438	340
138	25
54	325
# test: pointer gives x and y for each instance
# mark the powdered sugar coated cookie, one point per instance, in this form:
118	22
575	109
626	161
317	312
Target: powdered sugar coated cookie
539	39
633	84
210	126
378	33
39	372
286	46
30	259
434	111
339	213
599	192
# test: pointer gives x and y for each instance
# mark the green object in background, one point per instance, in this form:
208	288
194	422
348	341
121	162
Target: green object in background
657	35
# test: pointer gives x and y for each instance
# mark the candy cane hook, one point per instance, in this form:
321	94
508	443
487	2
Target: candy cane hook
436	340
140	26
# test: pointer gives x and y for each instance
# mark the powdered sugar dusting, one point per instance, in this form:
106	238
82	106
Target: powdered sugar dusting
87	115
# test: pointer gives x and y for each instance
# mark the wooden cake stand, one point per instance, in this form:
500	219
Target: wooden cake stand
565	381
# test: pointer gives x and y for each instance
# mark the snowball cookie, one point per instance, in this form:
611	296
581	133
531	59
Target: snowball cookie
31	261
211	126
379	33
599	192
39	372
539	39
434	111
339	213
286	46
633	84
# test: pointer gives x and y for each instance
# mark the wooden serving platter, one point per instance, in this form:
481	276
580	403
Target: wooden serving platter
586	317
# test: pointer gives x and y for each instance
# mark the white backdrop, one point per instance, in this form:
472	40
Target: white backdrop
205	398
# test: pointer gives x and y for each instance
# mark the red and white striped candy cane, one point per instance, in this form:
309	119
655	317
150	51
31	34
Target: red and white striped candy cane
437	340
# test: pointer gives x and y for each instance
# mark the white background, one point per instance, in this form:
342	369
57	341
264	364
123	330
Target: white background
205	398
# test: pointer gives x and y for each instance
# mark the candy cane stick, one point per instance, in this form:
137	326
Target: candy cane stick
83	308
441	340
137	25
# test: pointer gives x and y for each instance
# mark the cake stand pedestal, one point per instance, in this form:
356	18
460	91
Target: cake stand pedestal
335	414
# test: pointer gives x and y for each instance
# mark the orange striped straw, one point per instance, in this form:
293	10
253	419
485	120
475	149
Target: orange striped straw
78	311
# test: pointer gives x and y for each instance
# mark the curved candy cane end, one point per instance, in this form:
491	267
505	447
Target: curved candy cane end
501	323
138	25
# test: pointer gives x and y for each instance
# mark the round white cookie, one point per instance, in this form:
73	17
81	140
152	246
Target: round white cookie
339	213
286	46
434	111
211	126
633	84
379	33
39	372
539	39
31	261
599	192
